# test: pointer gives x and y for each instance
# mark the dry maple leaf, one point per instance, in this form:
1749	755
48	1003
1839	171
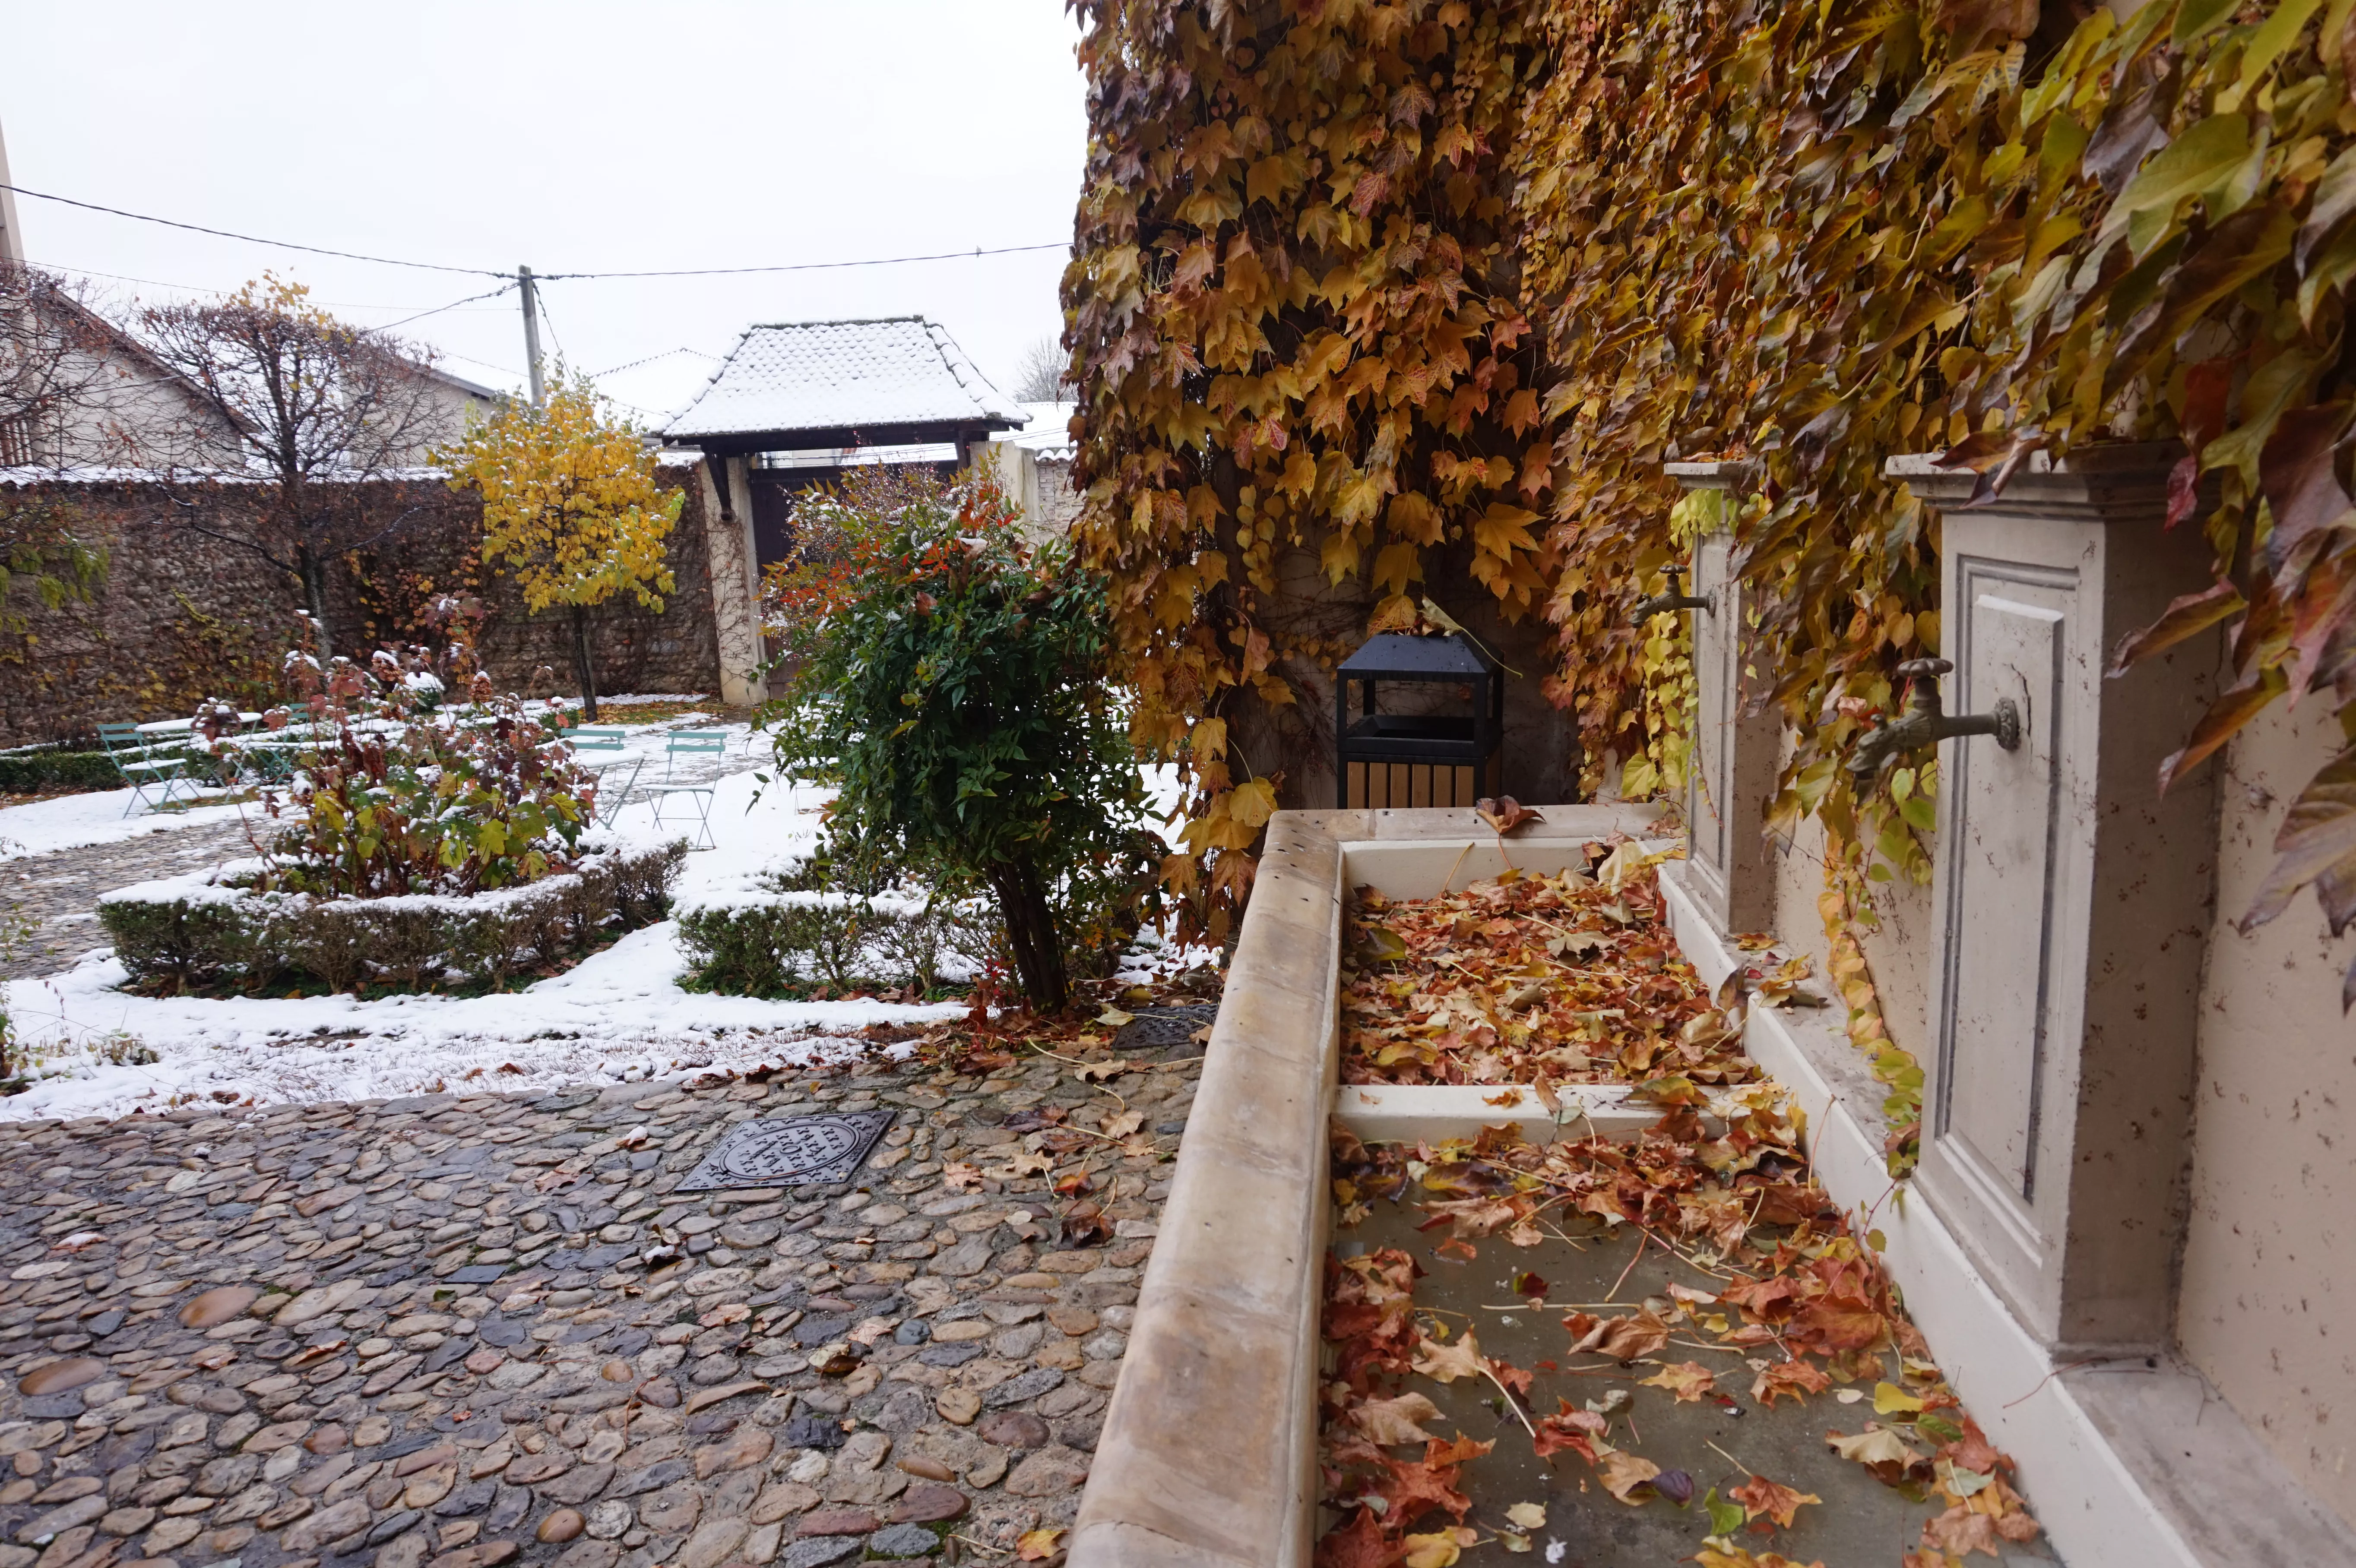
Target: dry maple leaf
1386	1422
1503	814
1794	1379
1960	1530
1772	1500
1623	1473
958	1175
1622	1339
1037	1545
1688	1379
1446	1363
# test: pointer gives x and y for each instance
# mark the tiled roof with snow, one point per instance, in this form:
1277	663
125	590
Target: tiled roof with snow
836	375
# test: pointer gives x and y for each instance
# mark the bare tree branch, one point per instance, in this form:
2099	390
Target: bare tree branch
315	406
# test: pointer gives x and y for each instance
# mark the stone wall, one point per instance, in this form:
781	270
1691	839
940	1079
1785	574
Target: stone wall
183	614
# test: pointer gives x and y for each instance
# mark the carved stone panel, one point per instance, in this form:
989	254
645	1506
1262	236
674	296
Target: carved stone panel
2071	898
1733	764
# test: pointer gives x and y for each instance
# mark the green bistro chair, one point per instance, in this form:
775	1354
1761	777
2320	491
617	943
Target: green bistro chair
143	765
610	760
685	744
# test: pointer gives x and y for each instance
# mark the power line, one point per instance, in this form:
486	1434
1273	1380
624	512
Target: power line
204	289
251	238
437	310
600	375
543	277
817	266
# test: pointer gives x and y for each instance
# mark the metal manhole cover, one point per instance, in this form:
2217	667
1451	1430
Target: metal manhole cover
790	1150
1150	1028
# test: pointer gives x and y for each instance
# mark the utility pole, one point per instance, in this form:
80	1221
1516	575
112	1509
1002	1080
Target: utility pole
532	333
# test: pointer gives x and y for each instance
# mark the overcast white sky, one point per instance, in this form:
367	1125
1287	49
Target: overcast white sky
580	136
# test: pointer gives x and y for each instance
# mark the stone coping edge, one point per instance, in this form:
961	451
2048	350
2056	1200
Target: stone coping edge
1209	1448
2127	1466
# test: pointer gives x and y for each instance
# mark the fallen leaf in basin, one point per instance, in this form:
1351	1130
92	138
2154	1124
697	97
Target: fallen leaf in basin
1622	1339
1761	1498
1446	1363
1879	1449
1961	1529
1623	1473
1388	1421
1440	1549
1739	1557
1689	1381
1503	814
1889	1399
1527	1516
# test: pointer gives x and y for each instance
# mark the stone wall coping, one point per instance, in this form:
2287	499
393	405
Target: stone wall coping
1714	474
1209	1448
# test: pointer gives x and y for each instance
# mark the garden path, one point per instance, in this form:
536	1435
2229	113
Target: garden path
461	1358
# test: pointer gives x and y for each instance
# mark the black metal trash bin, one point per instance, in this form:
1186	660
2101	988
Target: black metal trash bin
1417	758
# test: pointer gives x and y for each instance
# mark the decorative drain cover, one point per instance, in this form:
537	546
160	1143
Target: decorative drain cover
790	1150
1150	1028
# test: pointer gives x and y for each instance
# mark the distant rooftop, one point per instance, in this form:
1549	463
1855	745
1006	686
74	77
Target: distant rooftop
815	384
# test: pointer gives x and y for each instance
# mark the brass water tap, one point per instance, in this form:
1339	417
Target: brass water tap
1663	603
1925	723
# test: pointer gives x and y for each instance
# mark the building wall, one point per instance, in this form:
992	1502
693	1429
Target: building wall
2267	1307
181	616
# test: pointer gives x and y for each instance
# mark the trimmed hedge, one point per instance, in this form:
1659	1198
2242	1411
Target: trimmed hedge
28	773
214	930
766	944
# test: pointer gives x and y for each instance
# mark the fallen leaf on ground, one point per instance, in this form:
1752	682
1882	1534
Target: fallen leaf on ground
958	1175
1528	1516
1688	1379
1772	1500
1446	1363
1739	1557
1388	1421
1440	1549
1622	1339
1623	1473
1113	1018
1036	1545
1889	1399
1793	1379
1120	1126
1100	1072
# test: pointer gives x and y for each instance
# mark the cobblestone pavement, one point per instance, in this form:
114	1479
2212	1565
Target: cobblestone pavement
60	891
449	1332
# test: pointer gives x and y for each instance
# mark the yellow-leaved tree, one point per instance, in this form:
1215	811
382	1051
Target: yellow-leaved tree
571	509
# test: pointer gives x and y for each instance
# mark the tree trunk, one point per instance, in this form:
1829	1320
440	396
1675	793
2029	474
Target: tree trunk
584	669
314	600
1031	928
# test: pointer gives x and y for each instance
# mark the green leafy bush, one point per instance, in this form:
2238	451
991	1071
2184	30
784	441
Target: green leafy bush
396	791
950	681
785	942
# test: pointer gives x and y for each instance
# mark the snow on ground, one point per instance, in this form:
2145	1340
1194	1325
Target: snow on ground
79	821
617	1014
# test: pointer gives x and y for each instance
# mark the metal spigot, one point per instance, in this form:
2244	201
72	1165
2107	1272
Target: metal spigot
1925	724
1663	603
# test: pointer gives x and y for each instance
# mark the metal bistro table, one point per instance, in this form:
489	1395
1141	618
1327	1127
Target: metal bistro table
1417	758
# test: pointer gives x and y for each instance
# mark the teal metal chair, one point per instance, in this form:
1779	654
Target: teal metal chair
609	758
686	743
143	764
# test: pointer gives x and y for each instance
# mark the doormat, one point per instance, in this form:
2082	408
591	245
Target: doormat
790	1150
